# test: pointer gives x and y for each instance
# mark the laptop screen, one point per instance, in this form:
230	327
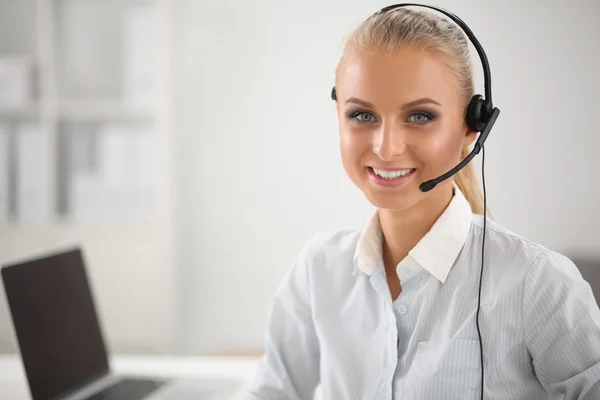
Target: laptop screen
55	322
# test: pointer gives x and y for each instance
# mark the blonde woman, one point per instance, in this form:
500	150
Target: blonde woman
388	311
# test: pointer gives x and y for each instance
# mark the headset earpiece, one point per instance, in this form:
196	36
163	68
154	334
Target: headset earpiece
333	94
478	113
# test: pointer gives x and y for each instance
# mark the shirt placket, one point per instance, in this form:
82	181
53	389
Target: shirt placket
390	355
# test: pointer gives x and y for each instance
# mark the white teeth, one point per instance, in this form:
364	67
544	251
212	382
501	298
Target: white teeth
392	174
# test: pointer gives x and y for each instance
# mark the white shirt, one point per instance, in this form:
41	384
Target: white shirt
333	322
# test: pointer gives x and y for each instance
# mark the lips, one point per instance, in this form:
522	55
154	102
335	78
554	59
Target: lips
390	177
391	173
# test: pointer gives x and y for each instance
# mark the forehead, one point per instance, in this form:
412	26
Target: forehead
401	76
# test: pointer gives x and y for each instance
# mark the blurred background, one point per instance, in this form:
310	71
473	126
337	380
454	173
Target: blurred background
190	147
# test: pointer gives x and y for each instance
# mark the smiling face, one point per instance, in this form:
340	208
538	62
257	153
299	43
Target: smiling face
401	122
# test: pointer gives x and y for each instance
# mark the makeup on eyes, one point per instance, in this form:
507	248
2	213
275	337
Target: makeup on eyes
353	114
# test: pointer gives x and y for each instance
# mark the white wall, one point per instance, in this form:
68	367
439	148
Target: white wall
258	161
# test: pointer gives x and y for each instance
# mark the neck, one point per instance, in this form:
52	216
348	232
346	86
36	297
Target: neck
403	229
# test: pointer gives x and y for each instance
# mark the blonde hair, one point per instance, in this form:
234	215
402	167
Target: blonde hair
426	31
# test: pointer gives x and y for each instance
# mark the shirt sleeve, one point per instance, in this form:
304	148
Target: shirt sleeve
289	368
562	328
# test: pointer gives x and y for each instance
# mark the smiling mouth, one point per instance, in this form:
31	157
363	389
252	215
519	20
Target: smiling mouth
391	174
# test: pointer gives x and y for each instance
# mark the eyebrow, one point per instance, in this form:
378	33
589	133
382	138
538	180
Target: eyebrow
413	103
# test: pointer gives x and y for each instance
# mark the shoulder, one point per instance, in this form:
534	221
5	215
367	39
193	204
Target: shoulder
327	255
331	243
329	252
321	260
503	238
516	252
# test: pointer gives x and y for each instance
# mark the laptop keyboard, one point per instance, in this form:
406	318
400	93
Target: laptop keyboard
128	389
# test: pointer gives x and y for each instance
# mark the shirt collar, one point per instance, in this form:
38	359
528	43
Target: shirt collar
435	252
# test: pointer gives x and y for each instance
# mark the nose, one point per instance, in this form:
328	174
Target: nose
388	142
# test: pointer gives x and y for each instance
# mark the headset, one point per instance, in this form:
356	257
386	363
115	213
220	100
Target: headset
480	117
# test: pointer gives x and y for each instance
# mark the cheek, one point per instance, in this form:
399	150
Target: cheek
352	146
441	151
352	149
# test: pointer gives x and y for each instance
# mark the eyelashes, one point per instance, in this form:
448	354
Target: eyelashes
365	117
359	116
425	117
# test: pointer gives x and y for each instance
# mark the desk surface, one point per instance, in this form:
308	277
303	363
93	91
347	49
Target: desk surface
13	383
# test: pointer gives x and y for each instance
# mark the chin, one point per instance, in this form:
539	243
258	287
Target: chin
393	201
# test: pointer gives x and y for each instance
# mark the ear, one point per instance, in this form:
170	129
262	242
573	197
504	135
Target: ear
470	136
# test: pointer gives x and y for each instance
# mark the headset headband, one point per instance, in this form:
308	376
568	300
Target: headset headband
484	61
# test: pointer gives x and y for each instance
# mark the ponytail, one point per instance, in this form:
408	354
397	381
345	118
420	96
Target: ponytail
467	182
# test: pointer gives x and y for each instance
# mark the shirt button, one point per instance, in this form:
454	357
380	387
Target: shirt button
402	309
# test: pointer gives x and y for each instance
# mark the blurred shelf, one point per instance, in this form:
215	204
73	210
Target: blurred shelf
102	110
69	225
82	111
85	54
20	112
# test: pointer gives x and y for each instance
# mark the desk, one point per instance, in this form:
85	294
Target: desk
13	383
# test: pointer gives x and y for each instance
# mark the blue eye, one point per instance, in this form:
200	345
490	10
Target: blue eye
421	117
362	116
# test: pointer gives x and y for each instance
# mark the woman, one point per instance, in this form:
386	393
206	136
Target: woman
388	311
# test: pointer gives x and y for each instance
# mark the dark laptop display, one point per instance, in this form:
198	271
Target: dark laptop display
54	293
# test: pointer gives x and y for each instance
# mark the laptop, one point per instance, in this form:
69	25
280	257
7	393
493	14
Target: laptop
61	344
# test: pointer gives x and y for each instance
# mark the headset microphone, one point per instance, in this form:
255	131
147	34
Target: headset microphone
430	184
